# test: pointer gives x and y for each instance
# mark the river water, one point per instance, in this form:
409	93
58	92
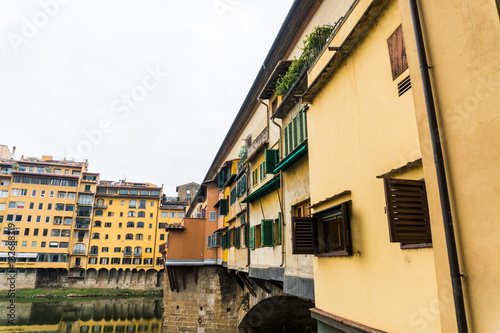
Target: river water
128	315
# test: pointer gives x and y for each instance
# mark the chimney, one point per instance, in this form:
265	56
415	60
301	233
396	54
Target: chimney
13	153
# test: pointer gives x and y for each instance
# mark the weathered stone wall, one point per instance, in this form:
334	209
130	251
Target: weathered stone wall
21	279
205	301
103	279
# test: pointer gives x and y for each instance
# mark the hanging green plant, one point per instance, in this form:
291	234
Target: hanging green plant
313	44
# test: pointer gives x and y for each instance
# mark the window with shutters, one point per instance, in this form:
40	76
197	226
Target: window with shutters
277	230
295	133
251	238
212	216
397	53
332	232
302	229
223	207
271	156
407	211
237	237
262	171
255	177
267	233
241	186
233	196
209	242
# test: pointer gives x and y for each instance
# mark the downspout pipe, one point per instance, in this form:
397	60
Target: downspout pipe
440	172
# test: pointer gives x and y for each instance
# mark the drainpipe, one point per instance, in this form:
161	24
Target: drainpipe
440	172
282	183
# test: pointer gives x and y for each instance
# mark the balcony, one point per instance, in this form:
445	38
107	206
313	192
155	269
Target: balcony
78	251
258	143
5	172
137	254
84	213
84	226
100	205
127	254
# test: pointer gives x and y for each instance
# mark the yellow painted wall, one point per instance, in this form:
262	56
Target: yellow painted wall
115	211
359	128
462	41
44	200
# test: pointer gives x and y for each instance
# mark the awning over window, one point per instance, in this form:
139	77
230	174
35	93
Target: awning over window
291	159
264	190
19	255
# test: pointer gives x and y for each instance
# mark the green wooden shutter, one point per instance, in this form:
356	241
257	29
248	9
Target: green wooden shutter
267	233
295	133
301	127
237	235
233	196
271	156
223	207
228	239
285	140
279	228
251	238
290	137
223	241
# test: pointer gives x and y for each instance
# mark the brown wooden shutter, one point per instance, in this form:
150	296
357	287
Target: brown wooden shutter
302	235
397	53
407	211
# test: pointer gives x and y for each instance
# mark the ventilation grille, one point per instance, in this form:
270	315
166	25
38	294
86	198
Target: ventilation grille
404	85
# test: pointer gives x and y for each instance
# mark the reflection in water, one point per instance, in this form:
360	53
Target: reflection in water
99	316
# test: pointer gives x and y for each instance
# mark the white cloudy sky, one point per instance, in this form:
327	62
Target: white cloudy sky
63	74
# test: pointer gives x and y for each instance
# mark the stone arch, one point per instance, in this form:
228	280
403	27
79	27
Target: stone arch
150	278
141	278
91	277
127	277
279	314
113	275
102	277
120	276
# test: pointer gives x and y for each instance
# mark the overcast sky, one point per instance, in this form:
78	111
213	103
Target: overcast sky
144	90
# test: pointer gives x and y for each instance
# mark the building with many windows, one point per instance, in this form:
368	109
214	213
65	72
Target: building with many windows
67	227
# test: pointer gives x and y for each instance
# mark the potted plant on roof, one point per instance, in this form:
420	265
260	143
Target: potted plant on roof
48	169
15	167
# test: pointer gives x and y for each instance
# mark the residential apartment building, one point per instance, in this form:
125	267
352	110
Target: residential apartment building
331	186
69	228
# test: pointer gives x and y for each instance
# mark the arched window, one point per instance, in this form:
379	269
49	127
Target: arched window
140	224
130	224
129	236
94	250
131	214
98	212
132	204
138	251
100	203
96	235
138	237
141	214
142	204
127	251
97	223
79	248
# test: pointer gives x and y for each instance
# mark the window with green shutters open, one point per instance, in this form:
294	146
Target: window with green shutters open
295	132
223	207
332	235
407	211
262	171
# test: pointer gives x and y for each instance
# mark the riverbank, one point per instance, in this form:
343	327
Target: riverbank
55	294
